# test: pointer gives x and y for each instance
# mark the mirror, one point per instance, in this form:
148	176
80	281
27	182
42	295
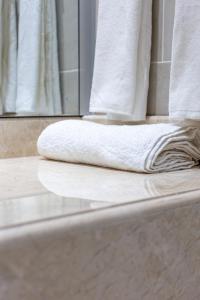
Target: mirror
39	58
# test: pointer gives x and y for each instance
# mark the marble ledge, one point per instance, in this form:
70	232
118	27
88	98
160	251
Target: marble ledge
134	236
127	252
103	217
34	189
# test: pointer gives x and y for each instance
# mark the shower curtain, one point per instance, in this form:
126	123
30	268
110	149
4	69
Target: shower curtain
8	56
29	73
184	100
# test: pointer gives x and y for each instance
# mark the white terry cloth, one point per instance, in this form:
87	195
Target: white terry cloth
8	56
38	89
141	148
122	58
185	72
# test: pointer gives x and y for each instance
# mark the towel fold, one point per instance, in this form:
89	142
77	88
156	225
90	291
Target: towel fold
122	58
141	148
185	71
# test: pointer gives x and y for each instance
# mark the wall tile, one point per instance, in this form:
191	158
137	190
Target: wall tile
157	30
158	98
70	92
19	136
169	10
67	11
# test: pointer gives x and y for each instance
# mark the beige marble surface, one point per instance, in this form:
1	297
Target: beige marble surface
24	198
31	176
86	233
33	188
131	252
18	136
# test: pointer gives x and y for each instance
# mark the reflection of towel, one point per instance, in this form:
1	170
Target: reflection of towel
185	74
122	58
142	148
78	181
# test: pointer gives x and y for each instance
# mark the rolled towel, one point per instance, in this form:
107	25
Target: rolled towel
141	148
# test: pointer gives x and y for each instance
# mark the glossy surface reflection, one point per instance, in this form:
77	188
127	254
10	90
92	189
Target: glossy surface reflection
34	189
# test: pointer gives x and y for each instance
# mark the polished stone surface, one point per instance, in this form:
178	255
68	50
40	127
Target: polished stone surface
24	198
86	233
33	189
119	254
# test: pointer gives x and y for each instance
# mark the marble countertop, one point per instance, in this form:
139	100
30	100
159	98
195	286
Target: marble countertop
86	233
35	190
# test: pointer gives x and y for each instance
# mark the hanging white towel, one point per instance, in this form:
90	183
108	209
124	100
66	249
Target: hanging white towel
142	148
122	58
38	78
185	72
8	56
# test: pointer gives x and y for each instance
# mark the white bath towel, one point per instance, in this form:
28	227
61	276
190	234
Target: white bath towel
141	148
185	73
122	58
38	89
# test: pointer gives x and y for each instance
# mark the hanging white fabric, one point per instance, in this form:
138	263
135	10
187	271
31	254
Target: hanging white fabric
8	56
184	100
29	75
38	89
122	58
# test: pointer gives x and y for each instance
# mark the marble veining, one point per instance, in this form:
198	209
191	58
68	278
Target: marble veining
86	233
151	256
34	189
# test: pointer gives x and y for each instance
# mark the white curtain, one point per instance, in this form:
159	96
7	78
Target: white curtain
29	76
8	56
184	100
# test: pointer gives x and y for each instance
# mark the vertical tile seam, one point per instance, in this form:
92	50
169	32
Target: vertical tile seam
163	28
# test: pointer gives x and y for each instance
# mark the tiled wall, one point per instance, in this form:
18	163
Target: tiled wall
163	20
19	136
67	18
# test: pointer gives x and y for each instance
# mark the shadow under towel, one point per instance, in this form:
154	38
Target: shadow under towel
142	148
122	59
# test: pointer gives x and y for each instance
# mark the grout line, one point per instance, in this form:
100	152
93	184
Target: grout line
163	28
161	62
68	71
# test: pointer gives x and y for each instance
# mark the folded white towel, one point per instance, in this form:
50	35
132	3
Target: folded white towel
122	58
141	148
185	71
